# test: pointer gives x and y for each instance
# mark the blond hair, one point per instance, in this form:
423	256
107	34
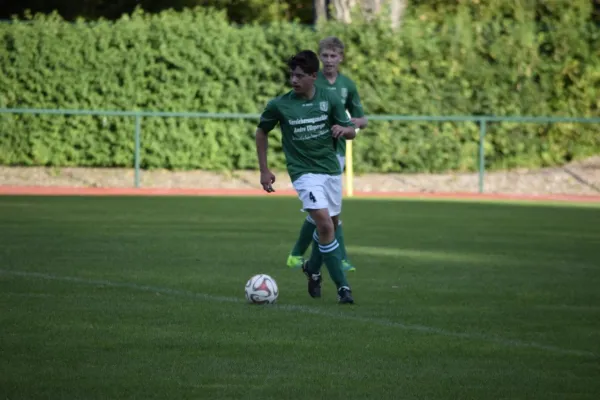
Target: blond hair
331	43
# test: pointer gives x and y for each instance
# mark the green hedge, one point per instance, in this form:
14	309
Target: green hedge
492	60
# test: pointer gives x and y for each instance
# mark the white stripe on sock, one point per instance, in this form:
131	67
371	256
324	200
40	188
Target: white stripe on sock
328	248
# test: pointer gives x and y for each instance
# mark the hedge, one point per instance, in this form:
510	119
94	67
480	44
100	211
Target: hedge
499	59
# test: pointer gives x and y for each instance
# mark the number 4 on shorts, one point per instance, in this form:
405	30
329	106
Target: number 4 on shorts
311	196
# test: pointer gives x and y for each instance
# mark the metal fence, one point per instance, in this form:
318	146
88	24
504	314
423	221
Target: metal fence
481	120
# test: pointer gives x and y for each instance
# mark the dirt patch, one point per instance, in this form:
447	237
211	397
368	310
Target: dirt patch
580	178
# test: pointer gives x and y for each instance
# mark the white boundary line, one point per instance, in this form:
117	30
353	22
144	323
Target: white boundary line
307	310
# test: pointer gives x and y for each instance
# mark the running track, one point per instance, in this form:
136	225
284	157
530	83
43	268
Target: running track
92	191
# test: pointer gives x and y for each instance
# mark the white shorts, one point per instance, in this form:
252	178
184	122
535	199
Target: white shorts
318	191
342	161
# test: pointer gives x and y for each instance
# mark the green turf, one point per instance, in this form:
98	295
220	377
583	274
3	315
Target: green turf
106	298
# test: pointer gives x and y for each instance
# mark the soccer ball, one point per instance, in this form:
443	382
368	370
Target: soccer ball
261	289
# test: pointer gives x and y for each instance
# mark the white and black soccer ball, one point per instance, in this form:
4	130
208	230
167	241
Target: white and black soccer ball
261	289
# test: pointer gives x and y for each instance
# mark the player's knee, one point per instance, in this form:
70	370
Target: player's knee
325	229
324	223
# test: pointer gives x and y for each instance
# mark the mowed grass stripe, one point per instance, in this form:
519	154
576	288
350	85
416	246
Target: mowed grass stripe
302	309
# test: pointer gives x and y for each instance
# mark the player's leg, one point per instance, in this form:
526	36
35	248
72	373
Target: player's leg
329	253
333	191
311	190
305	238
346	265
339	234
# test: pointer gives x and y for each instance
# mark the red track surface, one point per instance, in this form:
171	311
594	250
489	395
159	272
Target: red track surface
90	191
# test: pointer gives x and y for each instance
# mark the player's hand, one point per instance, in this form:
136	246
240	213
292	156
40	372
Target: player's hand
337	131
267	179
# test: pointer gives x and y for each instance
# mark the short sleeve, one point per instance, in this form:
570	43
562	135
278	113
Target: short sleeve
338	111
269	117
353	104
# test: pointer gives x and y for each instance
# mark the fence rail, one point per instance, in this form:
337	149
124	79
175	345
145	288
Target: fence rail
482	120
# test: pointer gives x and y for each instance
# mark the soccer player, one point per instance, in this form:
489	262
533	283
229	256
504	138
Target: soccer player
312	121
331	53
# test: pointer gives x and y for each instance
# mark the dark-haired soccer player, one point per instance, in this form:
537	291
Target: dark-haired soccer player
312	120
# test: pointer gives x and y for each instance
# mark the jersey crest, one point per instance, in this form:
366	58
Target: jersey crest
344	92
324	106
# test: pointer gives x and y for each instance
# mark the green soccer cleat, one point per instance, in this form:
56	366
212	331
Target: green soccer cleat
346	266
295	261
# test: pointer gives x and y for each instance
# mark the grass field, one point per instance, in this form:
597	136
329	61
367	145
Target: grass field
114	298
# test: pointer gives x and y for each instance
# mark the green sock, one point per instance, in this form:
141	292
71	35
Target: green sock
339	235
304	239
332	256
316	258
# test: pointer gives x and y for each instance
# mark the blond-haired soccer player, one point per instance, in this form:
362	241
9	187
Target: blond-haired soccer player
331	54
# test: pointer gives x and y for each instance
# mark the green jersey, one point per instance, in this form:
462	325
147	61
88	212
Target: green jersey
306	130
346	89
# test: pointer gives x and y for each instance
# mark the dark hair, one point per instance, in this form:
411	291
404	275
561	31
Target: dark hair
306	60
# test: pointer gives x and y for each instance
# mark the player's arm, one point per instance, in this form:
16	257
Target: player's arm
355	108
262	144
268	121
342	126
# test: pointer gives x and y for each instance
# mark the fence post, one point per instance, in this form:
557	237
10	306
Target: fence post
482	128
138	129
